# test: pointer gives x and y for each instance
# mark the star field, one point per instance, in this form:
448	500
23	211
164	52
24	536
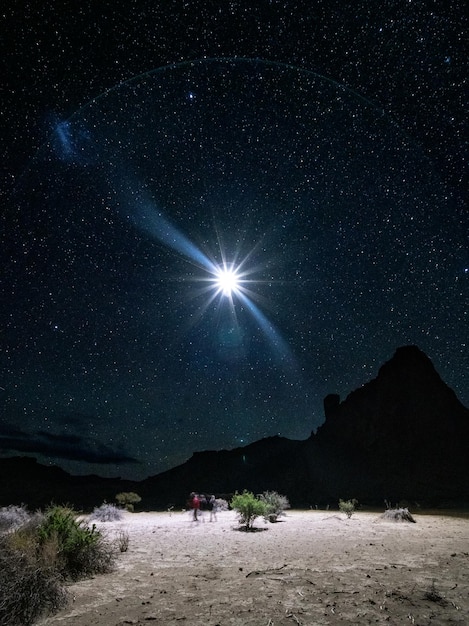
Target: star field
320	151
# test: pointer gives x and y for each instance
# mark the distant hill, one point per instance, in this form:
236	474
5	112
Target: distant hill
25	481
402	436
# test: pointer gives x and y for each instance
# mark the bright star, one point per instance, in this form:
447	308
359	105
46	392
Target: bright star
227	280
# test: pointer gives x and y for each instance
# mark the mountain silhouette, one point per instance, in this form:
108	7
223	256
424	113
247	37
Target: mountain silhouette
402	436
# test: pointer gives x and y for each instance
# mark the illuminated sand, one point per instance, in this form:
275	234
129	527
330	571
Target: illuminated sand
314	567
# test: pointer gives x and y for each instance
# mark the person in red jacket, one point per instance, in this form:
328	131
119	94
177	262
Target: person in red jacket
195	505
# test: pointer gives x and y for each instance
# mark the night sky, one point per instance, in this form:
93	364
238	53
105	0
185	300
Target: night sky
316	150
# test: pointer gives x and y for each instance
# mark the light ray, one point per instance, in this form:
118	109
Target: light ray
268	328
148	218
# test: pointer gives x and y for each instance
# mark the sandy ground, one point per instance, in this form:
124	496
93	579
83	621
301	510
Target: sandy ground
311	568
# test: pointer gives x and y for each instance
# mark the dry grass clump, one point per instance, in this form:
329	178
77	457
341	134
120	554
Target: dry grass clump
122	541
434	595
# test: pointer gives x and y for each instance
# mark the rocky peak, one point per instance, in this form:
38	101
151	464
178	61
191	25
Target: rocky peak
405	421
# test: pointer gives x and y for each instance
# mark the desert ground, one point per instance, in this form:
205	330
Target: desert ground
311	568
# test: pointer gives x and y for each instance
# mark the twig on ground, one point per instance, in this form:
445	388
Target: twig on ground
265	571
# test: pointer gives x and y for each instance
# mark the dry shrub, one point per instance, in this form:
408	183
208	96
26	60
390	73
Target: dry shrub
221	504
106	513
275	505
13	516
398	515
29	588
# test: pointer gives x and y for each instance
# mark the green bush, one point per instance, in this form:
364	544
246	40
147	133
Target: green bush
348	507
127	499
275	505
81	550
248	507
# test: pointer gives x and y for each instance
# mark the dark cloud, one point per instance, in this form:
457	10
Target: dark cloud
9	430
61	446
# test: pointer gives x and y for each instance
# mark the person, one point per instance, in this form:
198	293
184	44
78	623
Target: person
203	503
195	505
212	507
